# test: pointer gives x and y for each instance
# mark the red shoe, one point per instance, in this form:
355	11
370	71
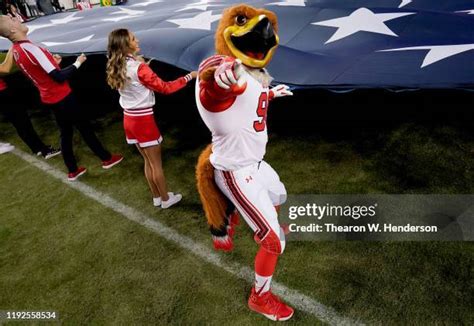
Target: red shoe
114	160
270	306
223	243
72	176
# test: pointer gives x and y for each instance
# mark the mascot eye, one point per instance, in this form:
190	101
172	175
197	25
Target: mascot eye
240	20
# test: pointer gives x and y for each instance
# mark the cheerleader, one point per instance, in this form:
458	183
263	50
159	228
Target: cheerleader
136	82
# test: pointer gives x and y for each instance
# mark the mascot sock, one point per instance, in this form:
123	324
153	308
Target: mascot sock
265	263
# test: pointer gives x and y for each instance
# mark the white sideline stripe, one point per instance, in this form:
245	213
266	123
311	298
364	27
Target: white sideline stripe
293	297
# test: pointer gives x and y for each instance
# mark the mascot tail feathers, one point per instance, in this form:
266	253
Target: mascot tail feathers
213	201
216	205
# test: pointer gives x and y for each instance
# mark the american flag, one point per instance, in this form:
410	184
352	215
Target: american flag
323	43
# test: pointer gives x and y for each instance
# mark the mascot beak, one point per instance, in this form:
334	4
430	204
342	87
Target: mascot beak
254	43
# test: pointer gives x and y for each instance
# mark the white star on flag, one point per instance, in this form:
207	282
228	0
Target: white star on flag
436	52
404	3
65	20
201	21
201	5
82	40
146	3
288	3
361	20
128	13
469	12
32	28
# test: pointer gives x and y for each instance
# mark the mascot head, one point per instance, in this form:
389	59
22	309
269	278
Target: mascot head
248	34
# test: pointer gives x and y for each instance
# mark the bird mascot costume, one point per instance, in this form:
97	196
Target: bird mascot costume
232	94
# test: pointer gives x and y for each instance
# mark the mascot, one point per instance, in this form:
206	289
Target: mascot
232	94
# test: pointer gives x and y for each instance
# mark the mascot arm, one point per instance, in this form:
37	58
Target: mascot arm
217	99
219	96
150	80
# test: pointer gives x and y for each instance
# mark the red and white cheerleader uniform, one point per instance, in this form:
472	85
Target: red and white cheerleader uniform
137	99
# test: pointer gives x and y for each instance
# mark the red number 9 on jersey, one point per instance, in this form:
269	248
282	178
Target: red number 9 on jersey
259	125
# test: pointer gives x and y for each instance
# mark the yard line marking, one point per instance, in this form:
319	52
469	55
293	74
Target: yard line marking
293	297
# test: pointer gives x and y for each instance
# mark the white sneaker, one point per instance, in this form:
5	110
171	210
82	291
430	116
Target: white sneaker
6	147
157	201
172	200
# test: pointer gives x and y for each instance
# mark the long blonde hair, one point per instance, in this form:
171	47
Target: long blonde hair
118	49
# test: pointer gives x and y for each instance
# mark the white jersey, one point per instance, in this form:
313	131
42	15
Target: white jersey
239	133
134	94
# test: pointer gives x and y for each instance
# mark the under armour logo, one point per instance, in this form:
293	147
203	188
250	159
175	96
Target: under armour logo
248	179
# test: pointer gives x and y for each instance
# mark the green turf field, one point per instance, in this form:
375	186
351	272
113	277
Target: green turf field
60	250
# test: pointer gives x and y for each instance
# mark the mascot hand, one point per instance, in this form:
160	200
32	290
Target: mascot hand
280	91
229	74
